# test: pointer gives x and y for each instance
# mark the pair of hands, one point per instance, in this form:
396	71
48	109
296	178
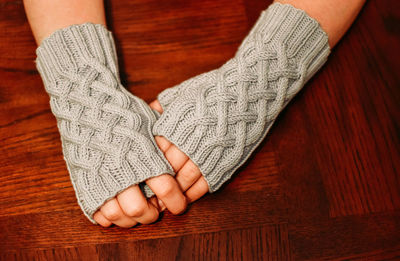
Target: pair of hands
131	207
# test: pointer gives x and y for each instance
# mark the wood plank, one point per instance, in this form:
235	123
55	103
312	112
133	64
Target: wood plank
324	184
263	243
335	238
378	255
353	121
348	146
162	43
216	212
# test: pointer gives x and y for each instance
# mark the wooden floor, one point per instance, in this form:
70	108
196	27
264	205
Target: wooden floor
323	185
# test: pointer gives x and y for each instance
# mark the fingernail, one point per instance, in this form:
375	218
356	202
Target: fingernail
161	205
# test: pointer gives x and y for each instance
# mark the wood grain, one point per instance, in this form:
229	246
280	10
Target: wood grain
360	163
239	244
323	185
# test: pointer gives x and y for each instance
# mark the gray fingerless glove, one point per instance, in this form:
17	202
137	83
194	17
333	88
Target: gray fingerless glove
218	118
105	131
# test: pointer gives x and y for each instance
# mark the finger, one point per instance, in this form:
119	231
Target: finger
197	190
188	175
154	201
176	157
162	143
101	219
113	212
135	205
155	105
168	191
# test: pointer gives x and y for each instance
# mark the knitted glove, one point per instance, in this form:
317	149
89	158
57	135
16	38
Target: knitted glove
218	118
105	131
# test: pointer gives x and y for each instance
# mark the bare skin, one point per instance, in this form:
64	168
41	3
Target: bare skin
131	207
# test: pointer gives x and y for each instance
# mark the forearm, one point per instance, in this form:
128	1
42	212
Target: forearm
46	16
334	16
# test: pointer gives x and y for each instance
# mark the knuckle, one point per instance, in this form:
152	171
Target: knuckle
152	218
180	208
166	189
105	223
187	175
111	213
136	210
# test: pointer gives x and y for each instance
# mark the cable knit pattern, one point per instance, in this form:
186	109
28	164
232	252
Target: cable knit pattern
105	131
218	118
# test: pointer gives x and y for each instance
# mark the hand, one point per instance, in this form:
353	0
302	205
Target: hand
188	176
131	207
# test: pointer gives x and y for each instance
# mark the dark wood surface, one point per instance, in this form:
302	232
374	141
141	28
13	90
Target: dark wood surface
323	185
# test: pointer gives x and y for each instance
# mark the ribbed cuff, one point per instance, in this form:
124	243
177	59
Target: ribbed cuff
305	42
68	50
